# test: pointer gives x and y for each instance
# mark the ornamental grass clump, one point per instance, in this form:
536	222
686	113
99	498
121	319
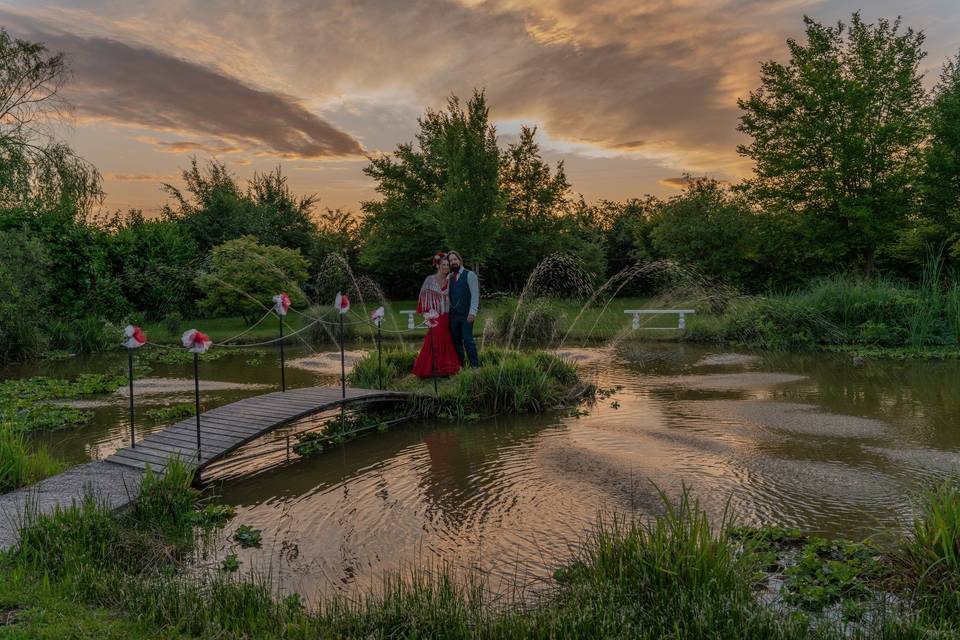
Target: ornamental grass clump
674	575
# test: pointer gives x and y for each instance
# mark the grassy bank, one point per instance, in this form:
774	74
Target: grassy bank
89	572
506	382
876	317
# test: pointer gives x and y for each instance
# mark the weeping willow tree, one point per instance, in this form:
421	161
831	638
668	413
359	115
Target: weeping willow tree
37	171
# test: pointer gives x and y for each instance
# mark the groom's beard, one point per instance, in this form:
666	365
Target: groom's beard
454	269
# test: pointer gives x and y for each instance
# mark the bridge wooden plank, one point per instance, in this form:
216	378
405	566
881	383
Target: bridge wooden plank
237	425
261	411
277	403
304	403
234	422
215	430
211	431
225	430
152	457
166	450
183	440
316	394
191	434
258	416
182	435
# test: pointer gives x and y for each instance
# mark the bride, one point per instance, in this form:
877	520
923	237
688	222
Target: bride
436	357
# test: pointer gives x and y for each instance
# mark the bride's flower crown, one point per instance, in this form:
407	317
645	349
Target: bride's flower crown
438	256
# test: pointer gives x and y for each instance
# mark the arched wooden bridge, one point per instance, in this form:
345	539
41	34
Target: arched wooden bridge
228	427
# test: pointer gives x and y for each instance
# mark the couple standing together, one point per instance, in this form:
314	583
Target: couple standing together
449	300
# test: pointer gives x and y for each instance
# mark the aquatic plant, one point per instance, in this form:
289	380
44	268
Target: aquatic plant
172	412
25	406
247	537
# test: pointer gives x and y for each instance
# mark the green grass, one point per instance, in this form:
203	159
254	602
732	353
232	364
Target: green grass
20	464
595	323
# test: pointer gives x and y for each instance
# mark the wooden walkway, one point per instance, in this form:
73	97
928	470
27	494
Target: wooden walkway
225	428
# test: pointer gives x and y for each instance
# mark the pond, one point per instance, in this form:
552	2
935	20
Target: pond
806	440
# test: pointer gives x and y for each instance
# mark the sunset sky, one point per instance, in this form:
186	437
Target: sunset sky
631	94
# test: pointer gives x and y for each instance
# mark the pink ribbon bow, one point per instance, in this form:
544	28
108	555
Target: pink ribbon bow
195	341
135	337
281	303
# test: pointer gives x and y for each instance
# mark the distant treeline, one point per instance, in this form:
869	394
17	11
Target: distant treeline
857	170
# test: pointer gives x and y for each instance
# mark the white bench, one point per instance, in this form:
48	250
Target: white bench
410	317
681	313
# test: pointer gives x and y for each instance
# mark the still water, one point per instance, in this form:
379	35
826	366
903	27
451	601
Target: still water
810	441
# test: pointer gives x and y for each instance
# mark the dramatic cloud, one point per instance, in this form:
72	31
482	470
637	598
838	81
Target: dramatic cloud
141	86
676	183
184	146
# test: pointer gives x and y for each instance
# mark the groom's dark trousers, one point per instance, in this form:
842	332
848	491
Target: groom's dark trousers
462	333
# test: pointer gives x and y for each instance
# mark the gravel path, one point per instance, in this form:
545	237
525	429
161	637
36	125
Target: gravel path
112	484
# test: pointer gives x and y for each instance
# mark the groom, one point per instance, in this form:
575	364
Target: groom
464	301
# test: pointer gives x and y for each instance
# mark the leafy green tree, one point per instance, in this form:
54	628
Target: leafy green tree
941	177
156	263
213	209
244	276
710	229
278	217
468	211
398	234
334	255
438	193
836	135
539	217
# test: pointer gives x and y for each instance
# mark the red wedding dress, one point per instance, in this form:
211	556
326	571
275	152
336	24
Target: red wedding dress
437	357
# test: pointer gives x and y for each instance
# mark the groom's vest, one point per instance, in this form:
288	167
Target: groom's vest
460	294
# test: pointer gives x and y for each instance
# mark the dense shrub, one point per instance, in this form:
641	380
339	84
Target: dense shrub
837	310
244	275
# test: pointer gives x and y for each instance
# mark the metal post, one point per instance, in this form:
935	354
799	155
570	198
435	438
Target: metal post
133	441
343	365
379	357
196	398
283	375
